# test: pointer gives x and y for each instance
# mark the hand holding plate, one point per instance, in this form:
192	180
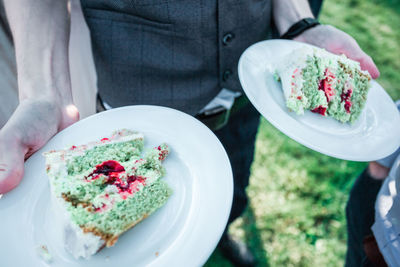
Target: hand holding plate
339	42
30	127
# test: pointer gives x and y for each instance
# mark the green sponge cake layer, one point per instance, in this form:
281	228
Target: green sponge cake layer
124	214
331	85
106	187
121	151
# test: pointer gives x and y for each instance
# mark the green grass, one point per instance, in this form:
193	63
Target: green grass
298	196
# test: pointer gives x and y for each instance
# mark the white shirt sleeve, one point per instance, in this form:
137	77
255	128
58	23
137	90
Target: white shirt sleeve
386	228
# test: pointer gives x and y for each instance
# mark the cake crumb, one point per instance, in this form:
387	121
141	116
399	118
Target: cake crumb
157	253
107	258
44	253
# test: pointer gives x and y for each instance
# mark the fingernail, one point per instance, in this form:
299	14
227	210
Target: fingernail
1	195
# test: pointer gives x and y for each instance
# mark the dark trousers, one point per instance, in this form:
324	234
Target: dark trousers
238	138
360	214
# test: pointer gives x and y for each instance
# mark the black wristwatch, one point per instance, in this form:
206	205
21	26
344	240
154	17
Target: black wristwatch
299	27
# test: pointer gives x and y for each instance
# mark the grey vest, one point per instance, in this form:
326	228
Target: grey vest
176	53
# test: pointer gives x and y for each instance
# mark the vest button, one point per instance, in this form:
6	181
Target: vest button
226	75
227	38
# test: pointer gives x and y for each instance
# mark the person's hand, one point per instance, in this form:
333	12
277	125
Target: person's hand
30	127
338	42
378	171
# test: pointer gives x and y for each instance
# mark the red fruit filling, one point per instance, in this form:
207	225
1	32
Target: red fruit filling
345	97
113	170
162	154
326	85
98	209
129	185
321	110
347	106
110	168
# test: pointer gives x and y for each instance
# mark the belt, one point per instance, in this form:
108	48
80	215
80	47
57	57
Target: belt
214	119
218	117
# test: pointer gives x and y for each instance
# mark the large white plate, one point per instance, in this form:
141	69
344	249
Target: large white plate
182	233
374	135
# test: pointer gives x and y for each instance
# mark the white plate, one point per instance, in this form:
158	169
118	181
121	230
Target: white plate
182	233
374	135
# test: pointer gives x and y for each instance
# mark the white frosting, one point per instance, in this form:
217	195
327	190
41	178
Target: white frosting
294	60
118	137
81	244
75	241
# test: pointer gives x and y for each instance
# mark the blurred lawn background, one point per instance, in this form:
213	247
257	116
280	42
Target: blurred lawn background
298	196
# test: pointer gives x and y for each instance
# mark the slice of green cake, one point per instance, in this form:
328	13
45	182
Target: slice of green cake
331	85
104	188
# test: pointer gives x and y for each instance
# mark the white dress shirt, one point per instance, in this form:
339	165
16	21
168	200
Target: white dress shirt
386	228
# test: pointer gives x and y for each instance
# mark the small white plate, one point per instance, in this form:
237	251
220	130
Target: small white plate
182	233
376	134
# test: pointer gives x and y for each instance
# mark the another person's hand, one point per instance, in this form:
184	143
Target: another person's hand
30	127
378	171
339	42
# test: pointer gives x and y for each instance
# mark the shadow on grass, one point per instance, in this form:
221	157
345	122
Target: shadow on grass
252	238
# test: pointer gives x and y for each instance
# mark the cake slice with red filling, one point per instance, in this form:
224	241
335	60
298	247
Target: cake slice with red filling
331	85
104	188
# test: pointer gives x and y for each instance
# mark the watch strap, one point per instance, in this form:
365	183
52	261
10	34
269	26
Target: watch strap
299	27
